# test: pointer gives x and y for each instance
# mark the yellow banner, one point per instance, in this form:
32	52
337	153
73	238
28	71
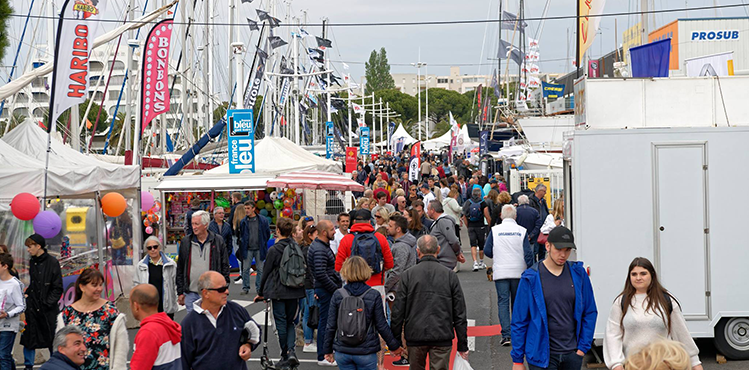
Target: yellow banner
588	23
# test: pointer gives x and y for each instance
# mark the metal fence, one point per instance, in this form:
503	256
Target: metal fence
529	179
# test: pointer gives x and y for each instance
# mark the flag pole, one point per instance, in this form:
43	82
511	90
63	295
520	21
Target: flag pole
577	42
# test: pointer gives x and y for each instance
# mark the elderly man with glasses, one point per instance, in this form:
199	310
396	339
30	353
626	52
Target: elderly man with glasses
217	331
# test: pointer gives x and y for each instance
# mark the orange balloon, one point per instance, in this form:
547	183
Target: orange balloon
113	204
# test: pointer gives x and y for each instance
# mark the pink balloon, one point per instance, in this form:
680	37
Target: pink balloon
149	230
47	224
146	200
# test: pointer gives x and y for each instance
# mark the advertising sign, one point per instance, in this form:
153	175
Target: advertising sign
710	65
154	84
364	141
329	143
484	142
552	91
580	103
241	141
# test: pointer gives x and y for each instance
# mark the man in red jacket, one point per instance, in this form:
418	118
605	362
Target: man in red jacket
361	225
157	344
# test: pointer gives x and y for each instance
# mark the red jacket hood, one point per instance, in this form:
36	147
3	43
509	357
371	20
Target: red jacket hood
361	227
171	328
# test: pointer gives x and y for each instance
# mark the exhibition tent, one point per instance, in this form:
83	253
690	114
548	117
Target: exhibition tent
444	140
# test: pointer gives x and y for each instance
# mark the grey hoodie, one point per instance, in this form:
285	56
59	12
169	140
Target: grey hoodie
443	229
404	257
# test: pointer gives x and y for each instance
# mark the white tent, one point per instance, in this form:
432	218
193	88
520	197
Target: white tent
444	140
31	140
273	156
400	132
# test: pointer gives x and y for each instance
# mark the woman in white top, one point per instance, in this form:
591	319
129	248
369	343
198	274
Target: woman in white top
555	218
643	313
453	209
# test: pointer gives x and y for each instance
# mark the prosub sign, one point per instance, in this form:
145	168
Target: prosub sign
241	141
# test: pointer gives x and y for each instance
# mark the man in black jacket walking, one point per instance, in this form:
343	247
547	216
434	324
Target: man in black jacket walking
45	289
430	303
321	260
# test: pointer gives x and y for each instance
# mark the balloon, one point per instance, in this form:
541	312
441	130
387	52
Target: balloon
156	206
113	204
47	224
146	223
25	206
260	204
260	194
273	196
264	212
267	198
288	202
290	193
146	200
296	217
287	212
269	190
273	220
270	219
149	230
280	195
278	204
269	206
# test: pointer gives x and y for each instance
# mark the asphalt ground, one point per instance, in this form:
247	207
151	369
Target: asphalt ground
481	302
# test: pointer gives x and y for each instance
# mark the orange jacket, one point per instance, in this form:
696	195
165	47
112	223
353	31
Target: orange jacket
344	251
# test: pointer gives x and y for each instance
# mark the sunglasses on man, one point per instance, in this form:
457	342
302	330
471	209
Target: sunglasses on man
222	289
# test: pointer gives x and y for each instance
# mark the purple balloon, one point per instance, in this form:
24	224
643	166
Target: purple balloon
267	198
146	200
47	224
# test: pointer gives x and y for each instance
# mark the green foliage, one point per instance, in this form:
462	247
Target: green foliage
377	72
442	102
5	11
116	132
62	121
440	129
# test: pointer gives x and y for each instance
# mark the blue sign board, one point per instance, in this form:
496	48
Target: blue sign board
329	143
483	142
364	141
241	141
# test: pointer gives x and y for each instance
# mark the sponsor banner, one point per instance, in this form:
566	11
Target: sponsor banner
552	91
415	165
351	159
711	65
155	87
364	140
76	31
483	142
593	69
329	139
251	93
588	25
241	141
285	86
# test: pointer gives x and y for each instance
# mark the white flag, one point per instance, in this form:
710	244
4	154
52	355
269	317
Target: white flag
358	109
360	121
345	66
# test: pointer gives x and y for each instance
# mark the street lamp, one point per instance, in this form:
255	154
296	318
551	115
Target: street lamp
418	66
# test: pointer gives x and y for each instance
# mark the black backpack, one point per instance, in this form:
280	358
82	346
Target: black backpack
293	266
351	325
366	245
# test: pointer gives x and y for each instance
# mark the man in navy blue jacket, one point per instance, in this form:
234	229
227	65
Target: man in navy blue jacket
321	260
212	333
555	313
529	218
253	243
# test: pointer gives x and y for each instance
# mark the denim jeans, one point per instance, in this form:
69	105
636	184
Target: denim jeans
190	298
29	355
356	362
7	339
540	251
323	301
506	290
284	311
246	265
558	361
304	305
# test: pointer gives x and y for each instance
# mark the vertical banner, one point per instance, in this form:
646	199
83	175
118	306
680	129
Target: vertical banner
251	93
588	25
593	69
75	34
329	141
351	159
241	141
483	142
651	60
454	132
154	84
413	167
364	140
399	143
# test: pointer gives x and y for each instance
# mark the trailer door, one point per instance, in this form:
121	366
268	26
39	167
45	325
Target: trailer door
681	224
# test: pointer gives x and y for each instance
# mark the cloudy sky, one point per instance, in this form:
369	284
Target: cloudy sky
469	46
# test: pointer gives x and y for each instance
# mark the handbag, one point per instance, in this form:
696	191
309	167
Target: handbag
542	238
314	317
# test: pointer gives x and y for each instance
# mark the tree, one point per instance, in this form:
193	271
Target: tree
377	72
5	11
62	120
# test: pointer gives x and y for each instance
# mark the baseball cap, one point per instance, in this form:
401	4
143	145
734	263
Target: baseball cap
424	185
362	215
493	181
561	237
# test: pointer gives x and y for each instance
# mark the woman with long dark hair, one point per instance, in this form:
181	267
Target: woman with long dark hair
642	313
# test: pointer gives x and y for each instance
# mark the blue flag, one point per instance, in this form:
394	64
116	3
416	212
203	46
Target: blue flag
651	60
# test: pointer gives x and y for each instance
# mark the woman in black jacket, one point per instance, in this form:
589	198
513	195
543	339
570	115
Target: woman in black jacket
363	356
285	299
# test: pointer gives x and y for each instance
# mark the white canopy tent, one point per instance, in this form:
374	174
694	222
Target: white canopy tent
444	140
399	132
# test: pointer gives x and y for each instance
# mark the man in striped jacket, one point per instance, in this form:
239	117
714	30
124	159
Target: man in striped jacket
157	344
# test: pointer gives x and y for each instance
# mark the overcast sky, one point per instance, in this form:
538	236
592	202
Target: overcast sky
440	45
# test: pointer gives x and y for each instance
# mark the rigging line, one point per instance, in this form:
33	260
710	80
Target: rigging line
483	43
438	23
15	59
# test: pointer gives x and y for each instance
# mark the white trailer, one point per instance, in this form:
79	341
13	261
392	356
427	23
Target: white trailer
675	197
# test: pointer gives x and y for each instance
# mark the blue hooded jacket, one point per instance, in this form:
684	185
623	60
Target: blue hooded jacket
263	236
530	328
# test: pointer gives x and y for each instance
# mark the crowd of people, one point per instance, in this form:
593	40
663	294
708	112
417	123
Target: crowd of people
379	278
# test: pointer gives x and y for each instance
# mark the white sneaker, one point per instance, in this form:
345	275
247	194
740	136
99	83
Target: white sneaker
482	265
326	363
475	266
238	281
310	348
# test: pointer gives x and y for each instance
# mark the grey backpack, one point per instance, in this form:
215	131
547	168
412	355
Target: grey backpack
293	266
